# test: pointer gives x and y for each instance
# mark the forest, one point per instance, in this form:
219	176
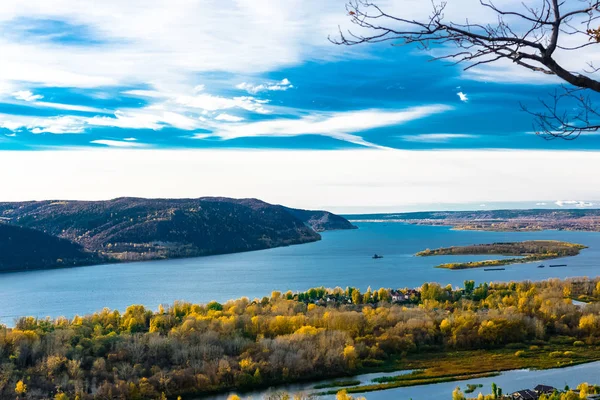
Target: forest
527	251
186	349
54	234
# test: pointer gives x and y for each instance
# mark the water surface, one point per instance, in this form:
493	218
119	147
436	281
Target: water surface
509	381
342	258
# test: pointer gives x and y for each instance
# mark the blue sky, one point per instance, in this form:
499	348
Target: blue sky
261	76
75	77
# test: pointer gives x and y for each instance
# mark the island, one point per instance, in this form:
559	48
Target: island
524	252
50	234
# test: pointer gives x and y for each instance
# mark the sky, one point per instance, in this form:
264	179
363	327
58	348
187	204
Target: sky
186	98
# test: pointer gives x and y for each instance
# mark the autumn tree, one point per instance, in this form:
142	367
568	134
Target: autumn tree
20	388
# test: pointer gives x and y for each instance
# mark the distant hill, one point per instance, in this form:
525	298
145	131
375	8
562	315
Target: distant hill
321	220
133	229
23	248
499	220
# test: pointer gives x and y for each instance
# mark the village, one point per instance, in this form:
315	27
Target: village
548	392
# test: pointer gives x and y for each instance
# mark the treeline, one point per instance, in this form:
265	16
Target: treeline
192	349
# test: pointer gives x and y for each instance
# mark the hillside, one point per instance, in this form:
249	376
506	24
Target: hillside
499	220
23	248
132	229
321	220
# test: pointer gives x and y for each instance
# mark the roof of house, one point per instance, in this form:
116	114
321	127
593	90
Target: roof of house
544	388
526	394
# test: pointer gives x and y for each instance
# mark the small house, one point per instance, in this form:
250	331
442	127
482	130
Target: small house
544	389
525	394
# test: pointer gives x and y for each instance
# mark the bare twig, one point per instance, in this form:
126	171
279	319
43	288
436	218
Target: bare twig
532	48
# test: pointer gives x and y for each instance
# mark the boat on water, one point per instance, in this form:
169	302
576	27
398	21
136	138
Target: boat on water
558	265
377	256
541	266
494	269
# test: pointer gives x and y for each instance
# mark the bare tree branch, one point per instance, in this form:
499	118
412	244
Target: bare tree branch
531	43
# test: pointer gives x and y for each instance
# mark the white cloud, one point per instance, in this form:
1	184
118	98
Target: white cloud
540	204
576	203
436	137
27	95
144	119
214	103
118	143
130	139
69	107
128	119
228	118
339	125
57	125
145	93
282	85
151	45
462	96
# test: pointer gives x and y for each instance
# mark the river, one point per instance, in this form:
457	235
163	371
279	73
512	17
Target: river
342	258
509	381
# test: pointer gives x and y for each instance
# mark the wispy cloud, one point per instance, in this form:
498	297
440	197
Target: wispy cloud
576	203
436	137
67	107
127	119
202	101
228	118
340	125
27	95
119	143
282	85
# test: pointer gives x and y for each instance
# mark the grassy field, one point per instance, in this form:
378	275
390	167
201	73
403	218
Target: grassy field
340	383
463	365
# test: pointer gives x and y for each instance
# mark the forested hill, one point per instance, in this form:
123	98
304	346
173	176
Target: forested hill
131	229
23	248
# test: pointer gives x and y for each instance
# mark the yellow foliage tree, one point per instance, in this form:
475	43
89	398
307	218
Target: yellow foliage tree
350	355
457	394
20	388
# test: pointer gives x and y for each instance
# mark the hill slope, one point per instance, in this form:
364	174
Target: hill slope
23	248
131	229
321	220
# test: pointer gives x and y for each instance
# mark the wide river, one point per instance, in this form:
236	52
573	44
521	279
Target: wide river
342	258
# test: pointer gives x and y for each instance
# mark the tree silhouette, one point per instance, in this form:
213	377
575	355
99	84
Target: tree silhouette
534	37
